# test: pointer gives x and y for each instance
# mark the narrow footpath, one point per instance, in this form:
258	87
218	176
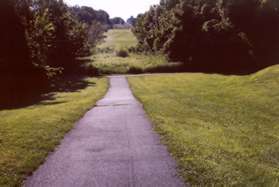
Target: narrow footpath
113	145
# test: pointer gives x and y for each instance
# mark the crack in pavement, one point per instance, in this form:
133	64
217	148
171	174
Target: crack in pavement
113	145
113	105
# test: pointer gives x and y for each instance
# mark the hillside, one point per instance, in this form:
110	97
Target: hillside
223	130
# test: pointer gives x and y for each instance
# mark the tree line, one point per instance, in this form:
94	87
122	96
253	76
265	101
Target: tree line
40	40
213	35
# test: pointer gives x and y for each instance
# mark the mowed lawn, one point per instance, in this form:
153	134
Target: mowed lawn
28	134
222	130
108	62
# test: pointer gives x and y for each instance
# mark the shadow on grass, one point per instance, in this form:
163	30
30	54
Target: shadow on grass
182	68
15	96
20	99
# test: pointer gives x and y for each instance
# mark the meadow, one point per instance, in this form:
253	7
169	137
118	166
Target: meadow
106	60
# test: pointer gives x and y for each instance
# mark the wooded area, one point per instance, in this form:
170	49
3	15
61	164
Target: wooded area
234	36
40	42
42	39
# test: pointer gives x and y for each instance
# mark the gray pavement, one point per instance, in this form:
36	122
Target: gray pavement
113	145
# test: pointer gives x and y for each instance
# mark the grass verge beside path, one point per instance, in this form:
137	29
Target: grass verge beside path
28	134
222	130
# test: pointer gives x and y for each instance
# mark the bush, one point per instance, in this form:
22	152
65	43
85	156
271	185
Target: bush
122	53
91	70
135	70
104	50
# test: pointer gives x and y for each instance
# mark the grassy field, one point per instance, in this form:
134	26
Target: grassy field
28	134
222	130
117	39
108	62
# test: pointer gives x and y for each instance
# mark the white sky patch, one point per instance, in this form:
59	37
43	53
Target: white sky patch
117	8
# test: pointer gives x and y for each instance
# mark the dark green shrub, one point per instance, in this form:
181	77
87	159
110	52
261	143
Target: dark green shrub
122	53
135	70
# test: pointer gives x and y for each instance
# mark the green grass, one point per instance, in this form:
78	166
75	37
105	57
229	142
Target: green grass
28	134
108	62
222	130
117	39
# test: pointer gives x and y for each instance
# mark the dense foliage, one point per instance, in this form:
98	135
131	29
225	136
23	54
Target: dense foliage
88	14
131	20
213	35
117	20
97	22
41	39
16	67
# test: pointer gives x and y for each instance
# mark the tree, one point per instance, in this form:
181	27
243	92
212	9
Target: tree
131	21
213	35
11	26
96	24
39	40
18	73
103	18
84	14
65	37
116	21
259	19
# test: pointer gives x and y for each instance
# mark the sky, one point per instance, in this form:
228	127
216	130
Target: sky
117	8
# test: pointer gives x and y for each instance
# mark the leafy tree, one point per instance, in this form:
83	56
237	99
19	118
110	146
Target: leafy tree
259	19
131	21
95	32
103	18
85	14
96	24
11	26
213	35
67	36
18	74
40	37
117	20
39	40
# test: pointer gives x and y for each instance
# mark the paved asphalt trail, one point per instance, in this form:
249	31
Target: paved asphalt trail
113	145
